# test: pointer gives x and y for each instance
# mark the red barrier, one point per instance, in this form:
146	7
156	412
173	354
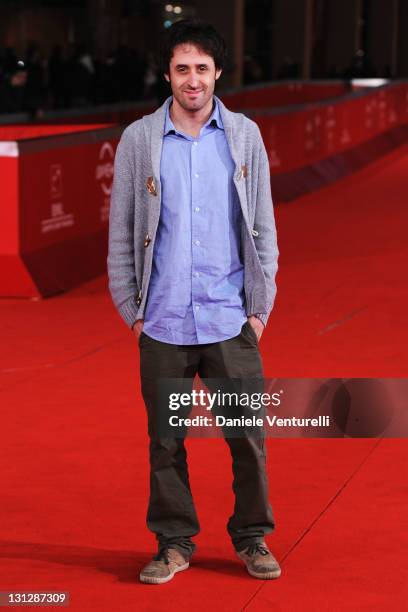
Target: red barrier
56	191
27	132
306	135
283	94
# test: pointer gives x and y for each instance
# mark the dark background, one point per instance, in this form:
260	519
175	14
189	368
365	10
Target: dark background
58	54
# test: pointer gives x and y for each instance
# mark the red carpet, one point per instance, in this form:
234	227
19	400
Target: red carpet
74	447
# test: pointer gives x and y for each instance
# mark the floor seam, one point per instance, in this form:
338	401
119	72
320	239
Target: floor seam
53	366
316	519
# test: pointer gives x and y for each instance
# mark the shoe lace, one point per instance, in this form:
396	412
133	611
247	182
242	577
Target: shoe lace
255	548
163	554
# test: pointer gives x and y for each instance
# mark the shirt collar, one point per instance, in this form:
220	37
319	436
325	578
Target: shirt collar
214	119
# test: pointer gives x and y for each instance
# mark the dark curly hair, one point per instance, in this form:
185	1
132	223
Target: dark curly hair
194	31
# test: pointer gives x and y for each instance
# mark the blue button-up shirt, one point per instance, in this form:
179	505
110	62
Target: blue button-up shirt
196	289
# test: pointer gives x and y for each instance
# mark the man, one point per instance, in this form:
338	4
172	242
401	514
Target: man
192	263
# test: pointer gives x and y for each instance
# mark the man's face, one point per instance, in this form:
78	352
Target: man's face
192	76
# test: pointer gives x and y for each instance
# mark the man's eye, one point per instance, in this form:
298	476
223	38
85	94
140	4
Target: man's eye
202	68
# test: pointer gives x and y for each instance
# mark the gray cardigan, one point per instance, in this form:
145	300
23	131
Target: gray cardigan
135	212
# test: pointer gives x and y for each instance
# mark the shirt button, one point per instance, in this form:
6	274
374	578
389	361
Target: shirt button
197	208
197	243
196	175
195	143
196	274
197	307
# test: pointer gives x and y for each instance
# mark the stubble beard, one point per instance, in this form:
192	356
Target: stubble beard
194	105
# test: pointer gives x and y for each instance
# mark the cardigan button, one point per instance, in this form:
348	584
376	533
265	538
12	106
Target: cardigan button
150	186
147	240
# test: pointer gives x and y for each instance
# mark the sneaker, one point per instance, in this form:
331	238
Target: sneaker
260	562
163	566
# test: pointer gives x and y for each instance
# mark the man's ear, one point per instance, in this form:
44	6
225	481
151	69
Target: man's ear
166	76
218	73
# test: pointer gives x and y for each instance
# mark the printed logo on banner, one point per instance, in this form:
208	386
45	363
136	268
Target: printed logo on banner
330	125
370	109
345	137
56	181
313	130
104	176
57	219
382	110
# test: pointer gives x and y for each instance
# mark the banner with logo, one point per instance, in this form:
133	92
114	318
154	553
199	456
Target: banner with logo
57	209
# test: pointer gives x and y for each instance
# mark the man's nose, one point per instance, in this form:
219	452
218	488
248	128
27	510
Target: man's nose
193	80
